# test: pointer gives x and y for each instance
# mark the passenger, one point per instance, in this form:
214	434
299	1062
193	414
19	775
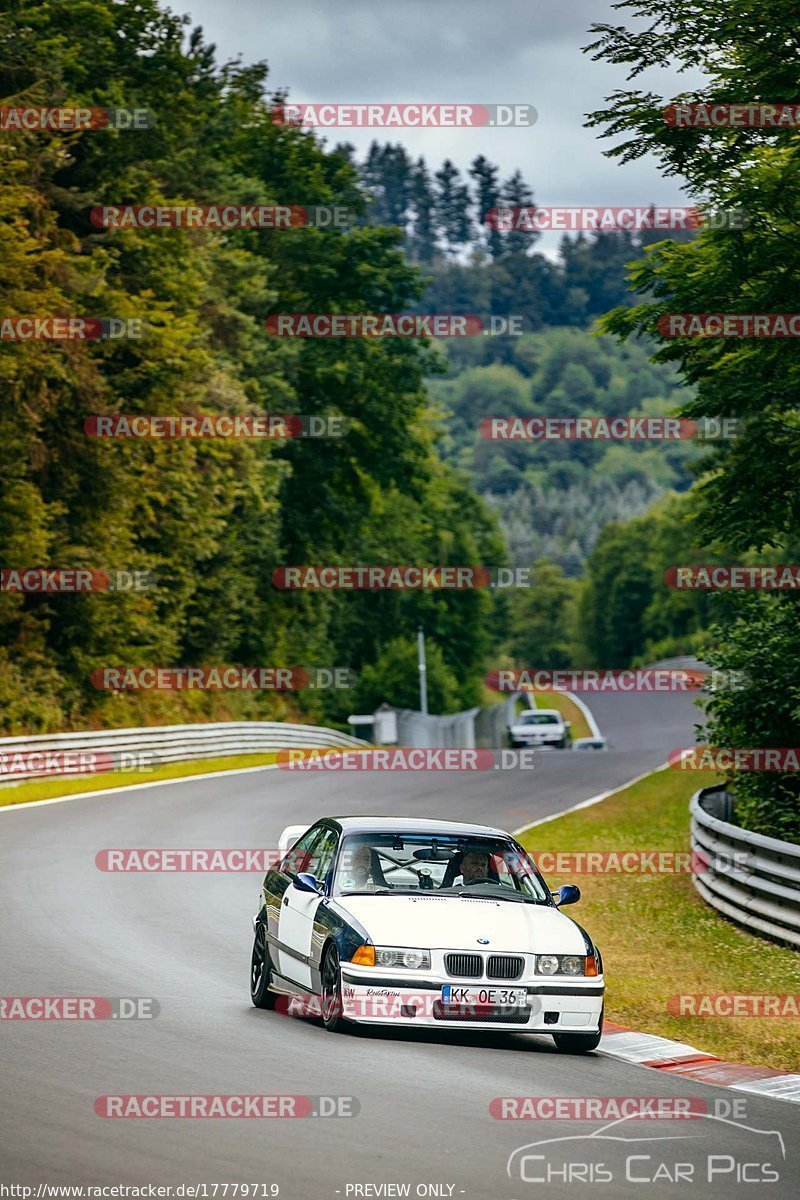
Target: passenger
360	866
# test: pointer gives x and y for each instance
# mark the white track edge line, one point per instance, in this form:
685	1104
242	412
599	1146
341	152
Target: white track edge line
588	714
135	787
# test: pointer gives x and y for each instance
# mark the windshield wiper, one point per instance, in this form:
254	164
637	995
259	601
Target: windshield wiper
513	897
371	892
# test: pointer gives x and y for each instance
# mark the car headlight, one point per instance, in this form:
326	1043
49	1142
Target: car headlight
546	964
564	964
572	965
402	956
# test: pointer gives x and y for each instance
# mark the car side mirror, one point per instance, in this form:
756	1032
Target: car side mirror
305	882
568	893
568	724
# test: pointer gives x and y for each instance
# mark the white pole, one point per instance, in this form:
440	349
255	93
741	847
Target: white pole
423	672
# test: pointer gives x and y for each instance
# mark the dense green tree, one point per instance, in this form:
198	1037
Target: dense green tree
422	243
452	207
627	613
764	710
487	197
480	268
517	194
751	498
211	519
553	497
541	619
394	679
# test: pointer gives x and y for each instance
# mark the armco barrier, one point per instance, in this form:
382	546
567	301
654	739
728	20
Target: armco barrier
751	879
482	727
457	730
485	727
163	744
492	722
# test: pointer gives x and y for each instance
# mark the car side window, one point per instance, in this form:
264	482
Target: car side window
321	854
298	857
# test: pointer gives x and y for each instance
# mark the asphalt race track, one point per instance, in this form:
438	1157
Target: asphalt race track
70	929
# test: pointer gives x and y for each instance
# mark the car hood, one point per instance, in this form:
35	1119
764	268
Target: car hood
456	922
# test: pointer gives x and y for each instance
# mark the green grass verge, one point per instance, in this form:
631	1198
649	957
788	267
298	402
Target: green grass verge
568	709
659	939
44	789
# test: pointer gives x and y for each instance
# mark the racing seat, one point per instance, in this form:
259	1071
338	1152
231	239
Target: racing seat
376	870
452	869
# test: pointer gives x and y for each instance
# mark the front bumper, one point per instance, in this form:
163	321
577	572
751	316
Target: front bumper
562	1005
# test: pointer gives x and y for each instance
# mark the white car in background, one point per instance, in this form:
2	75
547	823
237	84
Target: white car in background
539	727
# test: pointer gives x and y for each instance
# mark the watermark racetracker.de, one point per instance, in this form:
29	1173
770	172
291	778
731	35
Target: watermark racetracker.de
225	1106
221	678
414	115
74	580
29	119
407	759
78	1008
394	325
221	425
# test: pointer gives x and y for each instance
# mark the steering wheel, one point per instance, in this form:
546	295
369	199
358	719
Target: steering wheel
480	879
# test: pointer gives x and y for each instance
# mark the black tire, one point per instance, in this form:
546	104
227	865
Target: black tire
578	1043
261	971
331	999
561	744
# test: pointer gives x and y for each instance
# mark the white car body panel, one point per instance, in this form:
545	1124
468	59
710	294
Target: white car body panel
295	929
447	924
456	922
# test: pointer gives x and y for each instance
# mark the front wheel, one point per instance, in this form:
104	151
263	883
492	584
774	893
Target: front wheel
578	1043
261	971
332	992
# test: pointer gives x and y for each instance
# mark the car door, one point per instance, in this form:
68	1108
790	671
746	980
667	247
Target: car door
298	910
276	883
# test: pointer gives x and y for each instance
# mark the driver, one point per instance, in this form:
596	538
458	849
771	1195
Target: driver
474	866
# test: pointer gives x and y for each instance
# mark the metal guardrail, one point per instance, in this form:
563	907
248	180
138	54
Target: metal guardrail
751	879
456	730
481	727
70	754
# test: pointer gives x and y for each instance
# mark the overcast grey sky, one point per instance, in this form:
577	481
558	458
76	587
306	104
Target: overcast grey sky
478	51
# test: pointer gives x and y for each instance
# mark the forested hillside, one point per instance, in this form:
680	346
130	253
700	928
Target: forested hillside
411	482
552	498
475	265
211	519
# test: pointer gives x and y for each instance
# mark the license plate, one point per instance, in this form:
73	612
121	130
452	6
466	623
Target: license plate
499	997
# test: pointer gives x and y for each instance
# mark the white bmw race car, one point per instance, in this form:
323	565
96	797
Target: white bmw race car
396	921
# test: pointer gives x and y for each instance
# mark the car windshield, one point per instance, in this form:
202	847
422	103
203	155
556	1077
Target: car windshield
539	718
386	864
